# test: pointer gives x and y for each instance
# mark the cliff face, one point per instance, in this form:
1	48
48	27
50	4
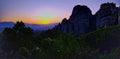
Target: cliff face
119	15
82	21
107	15
78	22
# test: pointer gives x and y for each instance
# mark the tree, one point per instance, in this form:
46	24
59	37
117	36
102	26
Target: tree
17	38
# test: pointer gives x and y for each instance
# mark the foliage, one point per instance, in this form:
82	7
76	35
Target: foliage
18	37
21	41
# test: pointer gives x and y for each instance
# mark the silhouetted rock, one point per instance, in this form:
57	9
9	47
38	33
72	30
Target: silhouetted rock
82	21
119	15
107	15
80	12
78	22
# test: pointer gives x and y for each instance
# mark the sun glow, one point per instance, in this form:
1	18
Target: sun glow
44	17
47	17
45	22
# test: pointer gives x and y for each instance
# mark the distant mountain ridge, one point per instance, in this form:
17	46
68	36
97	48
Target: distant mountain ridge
35	27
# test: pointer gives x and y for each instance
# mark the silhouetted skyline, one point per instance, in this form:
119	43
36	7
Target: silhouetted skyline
44	11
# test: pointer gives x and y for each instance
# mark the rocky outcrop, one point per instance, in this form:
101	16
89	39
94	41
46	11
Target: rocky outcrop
82	21
78	22
107	15
119	15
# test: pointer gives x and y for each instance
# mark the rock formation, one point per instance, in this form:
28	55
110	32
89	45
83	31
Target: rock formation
82	21
119	15
78	22
107	15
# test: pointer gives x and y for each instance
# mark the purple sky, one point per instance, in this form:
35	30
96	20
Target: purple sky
37	10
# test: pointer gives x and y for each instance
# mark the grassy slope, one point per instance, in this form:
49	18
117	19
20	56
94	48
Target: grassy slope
104	39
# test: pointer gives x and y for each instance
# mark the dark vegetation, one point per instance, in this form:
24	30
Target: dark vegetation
20	42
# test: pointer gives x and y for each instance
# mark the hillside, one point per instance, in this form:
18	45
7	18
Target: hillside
21	42
105	39
82	36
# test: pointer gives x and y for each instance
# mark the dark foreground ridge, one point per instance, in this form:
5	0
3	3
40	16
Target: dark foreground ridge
82	21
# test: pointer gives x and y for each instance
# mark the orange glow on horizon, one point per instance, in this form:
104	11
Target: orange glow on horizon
45	22
32	20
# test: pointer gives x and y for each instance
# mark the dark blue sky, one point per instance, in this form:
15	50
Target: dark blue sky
36	11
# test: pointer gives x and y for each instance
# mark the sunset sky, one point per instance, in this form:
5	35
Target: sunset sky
43	11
